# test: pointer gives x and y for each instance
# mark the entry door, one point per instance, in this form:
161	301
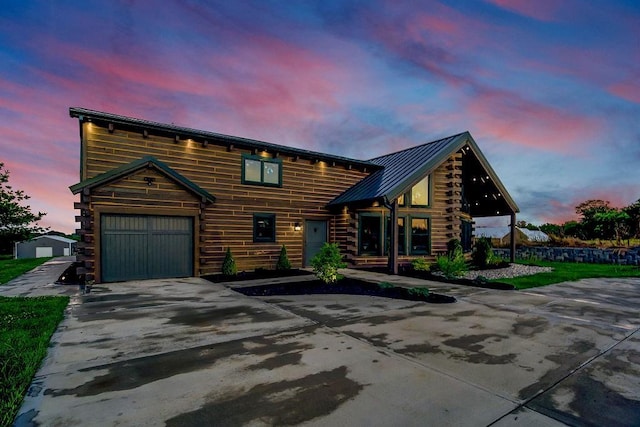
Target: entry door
315	234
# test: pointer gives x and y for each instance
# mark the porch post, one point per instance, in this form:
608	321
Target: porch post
393	249
512	257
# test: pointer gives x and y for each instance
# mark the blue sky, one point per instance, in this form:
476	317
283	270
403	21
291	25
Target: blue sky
549	90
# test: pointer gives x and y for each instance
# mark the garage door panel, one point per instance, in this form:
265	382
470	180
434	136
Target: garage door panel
146	247
175	255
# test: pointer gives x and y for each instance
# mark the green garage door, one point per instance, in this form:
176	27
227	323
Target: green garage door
136	247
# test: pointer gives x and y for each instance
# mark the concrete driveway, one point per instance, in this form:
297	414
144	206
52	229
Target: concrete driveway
187	352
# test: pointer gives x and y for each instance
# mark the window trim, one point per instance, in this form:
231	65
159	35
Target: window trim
380	233
256	217
428	218
262	161
387	235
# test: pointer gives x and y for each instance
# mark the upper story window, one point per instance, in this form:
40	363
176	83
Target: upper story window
420	193
261	171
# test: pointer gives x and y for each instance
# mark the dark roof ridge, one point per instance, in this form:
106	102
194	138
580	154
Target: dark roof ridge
418	146
79	112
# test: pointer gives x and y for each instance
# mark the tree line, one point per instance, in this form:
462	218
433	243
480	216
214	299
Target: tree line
597	220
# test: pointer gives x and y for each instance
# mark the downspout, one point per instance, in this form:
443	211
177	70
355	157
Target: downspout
393	244
512	257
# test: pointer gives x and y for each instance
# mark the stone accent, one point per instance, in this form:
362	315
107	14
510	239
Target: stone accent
621	256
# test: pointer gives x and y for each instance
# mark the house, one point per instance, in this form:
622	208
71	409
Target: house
501	236
159	200
45	246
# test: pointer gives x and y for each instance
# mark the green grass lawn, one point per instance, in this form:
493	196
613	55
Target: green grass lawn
570	271
12	268
26	326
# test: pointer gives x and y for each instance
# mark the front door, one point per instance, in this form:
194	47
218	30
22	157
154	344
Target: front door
315	235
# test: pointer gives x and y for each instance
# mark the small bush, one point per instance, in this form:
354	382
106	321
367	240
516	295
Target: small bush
419	292
283	261
453	246
327	262
482	252
385	285
452	267
229	267
420	264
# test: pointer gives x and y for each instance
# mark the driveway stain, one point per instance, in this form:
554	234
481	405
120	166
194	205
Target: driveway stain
568	360
473	350
210	316
287	402
591	400
529	327
424	348
133	373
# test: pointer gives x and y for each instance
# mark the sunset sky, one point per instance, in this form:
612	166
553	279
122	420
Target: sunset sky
550	90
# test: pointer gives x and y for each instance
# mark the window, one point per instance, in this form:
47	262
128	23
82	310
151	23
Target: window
401	200
264	227
420	193
402	236
420	244
370	234
261	171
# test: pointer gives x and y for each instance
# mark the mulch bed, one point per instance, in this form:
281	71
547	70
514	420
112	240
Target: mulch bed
344	286
254	275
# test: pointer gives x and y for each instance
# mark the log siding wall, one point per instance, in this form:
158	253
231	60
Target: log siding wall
306	189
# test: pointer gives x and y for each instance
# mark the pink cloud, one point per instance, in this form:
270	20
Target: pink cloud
509	117
542	10
628	89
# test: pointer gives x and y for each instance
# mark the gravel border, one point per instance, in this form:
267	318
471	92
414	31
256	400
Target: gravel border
514	270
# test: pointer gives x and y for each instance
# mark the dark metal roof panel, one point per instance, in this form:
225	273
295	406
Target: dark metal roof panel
401	170
82	113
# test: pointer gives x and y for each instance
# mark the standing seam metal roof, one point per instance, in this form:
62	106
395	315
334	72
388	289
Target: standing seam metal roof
400	170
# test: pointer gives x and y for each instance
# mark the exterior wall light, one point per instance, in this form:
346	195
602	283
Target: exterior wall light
297	226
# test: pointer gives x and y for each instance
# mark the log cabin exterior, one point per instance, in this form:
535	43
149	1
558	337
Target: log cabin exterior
158	200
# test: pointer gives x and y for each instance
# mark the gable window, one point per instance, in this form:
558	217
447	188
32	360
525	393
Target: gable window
261	171
402	236
370	236
264	227
420	236
420	193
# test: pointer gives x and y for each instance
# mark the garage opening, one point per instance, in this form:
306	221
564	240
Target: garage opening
136	247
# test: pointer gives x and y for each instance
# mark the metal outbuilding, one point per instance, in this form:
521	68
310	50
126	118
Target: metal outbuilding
45	246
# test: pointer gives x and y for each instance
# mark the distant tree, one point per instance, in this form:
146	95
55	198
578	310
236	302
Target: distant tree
633	210
591	228
554	229
572	228
521	224
612	224
17	222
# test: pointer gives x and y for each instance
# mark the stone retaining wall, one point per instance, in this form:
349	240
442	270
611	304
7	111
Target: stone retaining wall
590	255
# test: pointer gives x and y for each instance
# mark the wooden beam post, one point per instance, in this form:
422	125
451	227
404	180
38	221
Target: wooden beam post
512	256
393	229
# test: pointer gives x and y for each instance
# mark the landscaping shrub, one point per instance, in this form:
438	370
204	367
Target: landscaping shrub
229	267
419	292
453	246
283	261
420	264
482	253
327	262
452	267
385	285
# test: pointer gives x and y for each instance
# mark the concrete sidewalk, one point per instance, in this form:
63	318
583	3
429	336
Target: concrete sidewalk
187	352
40	280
